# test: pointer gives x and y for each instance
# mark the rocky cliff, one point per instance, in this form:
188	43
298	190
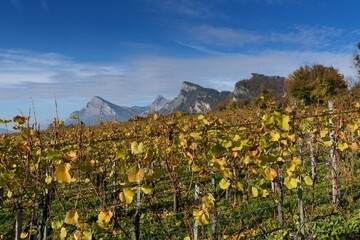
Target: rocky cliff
99	108
195	99
256	85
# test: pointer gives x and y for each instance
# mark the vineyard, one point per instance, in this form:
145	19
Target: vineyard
289	172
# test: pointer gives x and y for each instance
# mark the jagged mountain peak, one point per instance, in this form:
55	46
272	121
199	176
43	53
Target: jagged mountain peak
158	98
188	86
99	101
107	111
194	98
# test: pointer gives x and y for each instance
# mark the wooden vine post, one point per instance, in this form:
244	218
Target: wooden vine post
333	165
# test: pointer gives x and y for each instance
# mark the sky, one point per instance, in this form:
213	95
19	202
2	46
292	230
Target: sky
130	51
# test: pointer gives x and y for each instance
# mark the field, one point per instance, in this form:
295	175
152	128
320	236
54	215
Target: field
274	172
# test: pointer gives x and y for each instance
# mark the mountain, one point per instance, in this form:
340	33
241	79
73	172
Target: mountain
195	99
100	108
156	105
254	87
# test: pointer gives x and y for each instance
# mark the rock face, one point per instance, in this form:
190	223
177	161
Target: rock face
195	99
253	87
156	105
100	108
191	99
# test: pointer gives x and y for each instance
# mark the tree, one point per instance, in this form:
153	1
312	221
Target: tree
315	84
357	60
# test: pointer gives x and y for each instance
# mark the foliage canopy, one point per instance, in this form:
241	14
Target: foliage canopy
357	60
315	83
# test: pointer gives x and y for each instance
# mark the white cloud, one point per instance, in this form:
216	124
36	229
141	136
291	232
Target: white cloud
145	77
303	36
140	80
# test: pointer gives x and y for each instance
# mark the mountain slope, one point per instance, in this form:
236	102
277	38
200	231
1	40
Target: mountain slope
195	99
253	87
99	108
156	105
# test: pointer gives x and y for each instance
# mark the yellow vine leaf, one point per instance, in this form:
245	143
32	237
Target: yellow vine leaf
224	184
274	136
56	225
291	183
308	181
105	216
353	127
146	189
87	235
71	217
200	217
135	174
23	235
285	122
137	148
196	136
62	173
327	142
48	180
270	174
63	233
265	193
69	157
240	186
342	146
140	175
128	195
254	192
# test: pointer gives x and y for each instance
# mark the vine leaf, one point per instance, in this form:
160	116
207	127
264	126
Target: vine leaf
146	189
291	183
254	192
270	174
274	136
71	217
105	216
63	233
137	148
354	146
342	146
285	122
62	173
200	217
69	157
127	195
240	186
308	181
224	184
136	175
19	119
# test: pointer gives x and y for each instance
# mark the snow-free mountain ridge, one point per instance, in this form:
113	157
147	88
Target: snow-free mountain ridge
192	98
195	99
98	109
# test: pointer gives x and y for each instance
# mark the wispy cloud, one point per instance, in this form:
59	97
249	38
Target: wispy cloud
295	37
143	78
28	76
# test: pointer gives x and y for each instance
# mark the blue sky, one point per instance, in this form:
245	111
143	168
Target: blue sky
129	51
